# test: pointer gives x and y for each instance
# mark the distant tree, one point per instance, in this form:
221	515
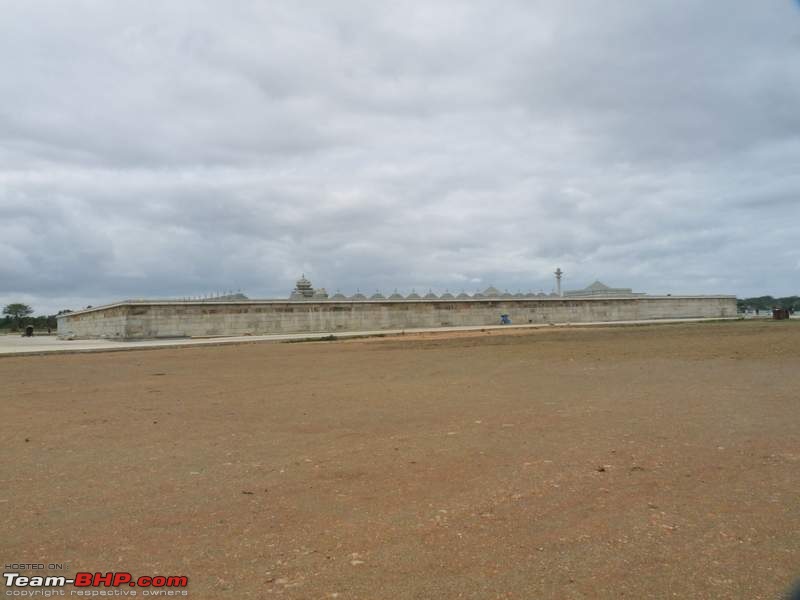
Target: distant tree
767	303
17	311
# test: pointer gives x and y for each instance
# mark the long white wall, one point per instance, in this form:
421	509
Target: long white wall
142	320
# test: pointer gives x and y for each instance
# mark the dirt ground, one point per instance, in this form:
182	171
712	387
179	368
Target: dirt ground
621	462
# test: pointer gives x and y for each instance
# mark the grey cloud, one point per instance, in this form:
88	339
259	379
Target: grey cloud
185	148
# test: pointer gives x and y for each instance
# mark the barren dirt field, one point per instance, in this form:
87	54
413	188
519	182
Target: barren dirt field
636	462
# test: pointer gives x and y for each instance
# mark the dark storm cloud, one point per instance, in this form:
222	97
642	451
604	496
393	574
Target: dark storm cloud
179	149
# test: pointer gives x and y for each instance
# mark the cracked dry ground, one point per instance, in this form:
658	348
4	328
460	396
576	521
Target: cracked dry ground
637	462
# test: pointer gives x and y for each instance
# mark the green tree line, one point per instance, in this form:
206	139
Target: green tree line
17	315
767	303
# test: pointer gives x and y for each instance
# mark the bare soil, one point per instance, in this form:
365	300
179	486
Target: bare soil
621	462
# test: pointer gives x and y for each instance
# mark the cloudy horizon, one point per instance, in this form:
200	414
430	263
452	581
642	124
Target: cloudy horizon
187	148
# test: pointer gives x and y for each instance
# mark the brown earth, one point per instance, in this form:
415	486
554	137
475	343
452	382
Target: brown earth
636	462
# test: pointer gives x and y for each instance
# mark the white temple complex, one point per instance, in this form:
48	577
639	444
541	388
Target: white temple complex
312	310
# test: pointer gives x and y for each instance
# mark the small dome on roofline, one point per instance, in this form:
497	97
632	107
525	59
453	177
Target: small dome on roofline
431	296
377	296
463	296
339	296
358	296
446	296
320	294
396	296
491	292
413	296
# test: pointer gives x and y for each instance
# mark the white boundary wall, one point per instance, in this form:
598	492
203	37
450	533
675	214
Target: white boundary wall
172	319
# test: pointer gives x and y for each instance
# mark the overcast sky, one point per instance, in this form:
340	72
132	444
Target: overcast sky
162	149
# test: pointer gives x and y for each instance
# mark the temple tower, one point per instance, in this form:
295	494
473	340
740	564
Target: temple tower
302	290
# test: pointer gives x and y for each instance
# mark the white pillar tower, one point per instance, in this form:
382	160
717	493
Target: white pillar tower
558	274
